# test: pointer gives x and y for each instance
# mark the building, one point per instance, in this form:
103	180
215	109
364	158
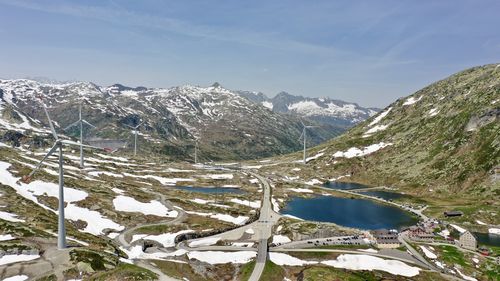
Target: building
453	213
386	239
420	233
468	241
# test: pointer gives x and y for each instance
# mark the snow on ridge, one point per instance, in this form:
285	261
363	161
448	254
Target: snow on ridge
412	100
375	129
310	107
304	106
268	105
380	117
356	152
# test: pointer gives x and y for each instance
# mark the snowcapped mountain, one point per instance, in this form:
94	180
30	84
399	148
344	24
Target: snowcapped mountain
227	125
329	112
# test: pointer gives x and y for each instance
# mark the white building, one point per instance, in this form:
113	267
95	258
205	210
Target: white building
468	241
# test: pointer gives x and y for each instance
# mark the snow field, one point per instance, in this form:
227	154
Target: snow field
128	204
218	257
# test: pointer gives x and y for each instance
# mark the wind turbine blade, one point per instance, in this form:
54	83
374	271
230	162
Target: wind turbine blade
74	124
139	125
129	126
301	135
302	123
84	121
68	142
50	121
27	178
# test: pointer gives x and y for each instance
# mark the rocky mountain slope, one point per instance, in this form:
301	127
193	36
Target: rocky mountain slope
442	140
226	125
333	114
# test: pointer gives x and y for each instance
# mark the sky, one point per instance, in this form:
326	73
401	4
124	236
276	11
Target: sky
369	52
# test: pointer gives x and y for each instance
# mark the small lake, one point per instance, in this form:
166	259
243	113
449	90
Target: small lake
487	239
211	190
357	213
345	185
387	195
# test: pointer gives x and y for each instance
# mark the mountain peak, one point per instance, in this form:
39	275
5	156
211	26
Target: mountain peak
216	85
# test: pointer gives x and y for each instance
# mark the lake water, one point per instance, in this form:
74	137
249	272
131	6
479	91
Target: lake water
488	239
357	213
387	195
345	185
212	190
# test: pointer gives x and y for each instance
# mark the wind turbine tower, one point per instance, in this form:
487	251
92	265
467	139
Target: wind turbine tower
135	136
196	152
80	122
58	144
304	137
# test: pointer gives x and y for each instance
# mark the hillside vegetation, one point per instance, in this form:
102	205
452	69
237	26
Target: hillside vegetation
441	140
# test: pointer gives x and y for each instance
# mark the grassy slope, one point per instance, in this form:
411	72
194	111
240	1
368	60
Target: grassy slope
432	157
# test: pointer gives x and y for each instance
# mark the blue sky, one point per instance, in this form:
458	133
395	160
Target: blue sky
370	52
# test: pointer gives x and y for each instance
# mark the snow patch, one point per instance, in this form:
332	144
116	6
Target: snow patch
495	231
128	204
356	152
458	228
280	239
10	217
7	259
216	257
428	253
365	262
412	100
374	130
204	242
433	112
285	259
16	278
380	117
6	237
252	204
301	190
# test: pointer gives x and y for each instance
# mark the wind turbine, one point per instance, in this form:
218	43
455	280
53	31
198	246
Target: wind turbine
80	122
58	144
196	152
135	136
304	134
